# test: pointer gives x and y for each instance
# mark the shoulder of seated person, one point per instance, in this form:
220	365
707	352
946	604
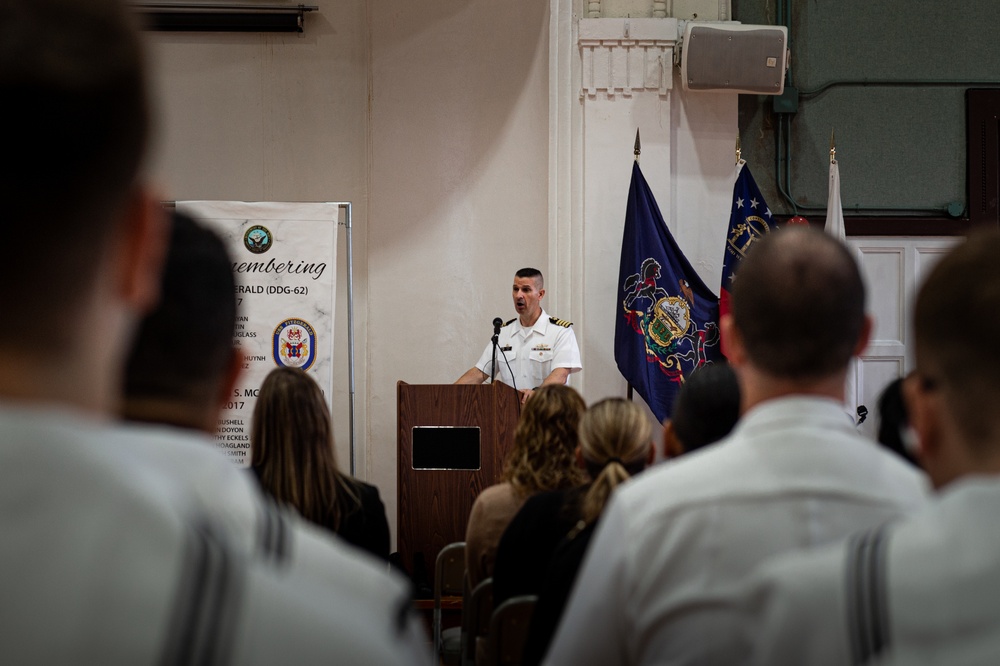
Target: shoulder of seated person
496	490
365	487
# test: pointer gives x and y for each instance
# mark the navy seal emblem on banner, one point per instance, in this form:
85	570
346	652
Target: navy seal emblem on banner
258	239
294	344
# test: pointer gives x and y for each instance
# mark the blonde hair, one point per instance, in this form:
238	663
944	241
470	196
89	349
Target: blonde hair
615	437
292	443
545	441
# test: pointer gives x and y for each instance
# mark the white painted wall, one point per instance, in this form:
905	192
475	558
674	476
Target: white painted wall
459	132
432	119
280	117
458	190
688	158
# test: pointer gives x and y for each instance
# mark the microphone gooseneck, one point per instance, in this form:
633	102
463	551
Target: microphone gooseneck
497	323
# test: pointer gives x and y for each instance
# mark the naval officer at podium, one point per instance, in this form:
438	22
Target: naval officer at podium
530	350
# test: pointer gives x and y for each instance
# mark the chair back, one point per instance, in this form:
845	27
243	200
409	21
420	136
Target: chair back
449	574
476	615
509	630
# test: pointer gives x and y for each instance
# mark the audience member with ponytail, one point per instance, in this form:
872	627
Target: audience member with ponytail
705	410
615	443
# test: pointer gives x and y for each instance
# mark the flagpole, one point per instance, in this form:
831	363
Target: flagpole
635	151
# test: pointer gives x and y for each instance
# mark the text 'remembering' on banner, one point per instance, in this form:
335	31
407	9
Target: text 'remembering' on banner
284	262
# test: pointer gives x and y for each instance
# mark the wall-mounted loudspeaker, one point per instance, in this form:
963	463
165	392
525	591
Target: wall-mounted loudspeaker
729	57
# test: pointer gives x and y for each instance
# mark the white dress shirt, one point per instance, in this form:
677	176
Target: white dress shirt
527	355
128	547
923	591
793	474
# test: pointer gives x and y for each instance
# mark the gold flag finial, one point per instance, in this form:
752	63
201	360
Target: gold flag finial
833	148
637	150
739	151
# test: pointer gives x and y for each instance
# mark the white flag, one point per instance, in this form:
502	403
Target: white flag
835	227
834	211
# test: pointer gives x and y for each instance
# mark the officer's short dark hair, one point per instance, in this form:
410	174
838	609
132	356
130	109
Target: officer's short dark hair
798	301
525	273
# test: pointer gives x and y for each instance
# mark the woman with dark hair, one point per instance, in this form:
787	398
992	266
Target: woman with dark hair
293	458
542	459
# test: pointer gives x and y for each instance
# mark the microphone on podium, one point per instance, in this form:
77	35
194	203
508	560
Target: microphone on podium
497	323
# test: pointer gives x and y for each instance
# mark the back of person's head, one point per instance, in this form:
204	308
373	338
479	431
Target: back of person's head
707	407
183	363
545	441
291	441
798	303
956	326
77	122
893	420
615	443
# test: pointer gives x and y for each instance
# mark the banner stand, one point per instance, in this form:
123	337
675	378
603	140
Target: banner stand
346	207
347	224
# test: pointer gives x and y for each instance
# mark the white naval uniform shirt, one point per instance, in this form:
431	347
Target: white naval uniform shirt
675	540
122	546
532	353
921	591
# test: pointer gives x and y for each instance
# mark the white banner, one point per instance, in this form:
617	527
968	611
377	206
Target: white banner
284	260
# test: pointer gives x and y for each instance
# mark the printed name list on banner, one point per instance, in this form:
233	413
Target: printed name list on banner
284	261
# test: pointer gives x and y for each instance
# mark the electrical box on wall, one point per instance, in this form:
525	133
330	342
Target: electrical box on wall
735	58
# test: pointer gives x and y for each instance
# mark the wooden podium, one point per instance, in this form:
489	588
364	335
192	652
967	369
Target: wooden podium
451	444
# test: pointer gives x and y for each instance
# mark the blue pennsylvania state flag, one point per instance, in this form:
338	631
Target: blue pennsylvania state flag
666	323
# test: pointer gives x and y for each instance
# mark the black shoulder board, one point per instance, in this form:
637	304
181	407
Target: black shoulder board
510	321
560	322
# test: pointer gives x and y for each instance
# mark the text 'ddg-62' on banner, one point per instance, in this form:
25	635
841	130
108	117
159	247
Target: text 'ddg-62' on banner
284	261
